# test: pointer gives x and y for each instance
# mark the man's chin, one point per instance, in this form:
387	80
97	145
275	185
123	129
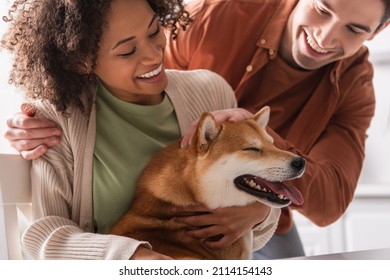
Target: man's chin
310	64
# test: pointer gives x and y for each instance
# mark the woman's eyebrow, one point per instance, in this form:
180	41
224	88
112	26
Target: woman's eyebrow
132	37
123	41
153	19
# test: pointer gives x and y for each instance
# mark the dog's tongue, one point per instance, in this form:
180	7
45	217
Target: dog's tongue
291	192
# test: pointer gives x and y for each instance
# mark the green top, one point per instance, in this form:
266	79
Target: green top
127	135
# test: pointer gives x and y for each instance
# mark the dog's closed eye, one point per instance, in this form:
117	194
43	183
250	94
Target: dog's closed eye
252	149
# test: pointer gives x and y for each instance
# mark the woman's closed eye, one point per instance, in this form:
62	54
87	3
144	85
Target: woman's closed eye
129	53
155	33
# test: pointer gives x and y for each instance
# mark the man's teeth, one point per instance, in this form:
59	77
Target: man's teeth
314	46
253	184
151	73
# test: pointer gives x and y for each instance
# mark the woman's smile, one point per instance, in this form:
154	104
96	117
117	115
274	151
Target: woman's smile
153	76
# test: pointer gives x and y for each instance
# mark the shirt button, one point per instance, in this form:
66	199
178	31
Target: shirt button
249	68
263	41
271	52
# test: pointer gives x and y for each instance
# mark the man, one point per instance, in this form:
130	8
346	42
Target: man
305	60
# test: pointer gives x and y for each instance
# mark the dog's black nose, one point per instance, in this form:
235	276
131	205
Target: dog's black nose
298	163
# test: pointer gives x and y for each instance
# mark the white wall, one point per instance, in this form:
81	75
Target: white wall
9	99
378	149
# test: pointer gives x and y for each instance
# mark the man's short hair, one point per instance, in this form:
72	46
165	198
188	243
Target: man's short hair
386	15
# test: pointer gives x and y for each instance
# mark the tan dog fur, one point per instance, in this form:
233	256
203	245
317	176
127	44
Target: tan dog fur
203	173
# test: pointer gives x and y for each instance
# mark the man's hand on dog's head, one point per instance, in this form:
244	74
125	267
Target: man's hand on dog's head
230	115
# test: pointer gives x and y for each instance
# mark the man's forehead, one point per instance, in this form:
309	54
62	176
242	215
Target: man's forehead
364	15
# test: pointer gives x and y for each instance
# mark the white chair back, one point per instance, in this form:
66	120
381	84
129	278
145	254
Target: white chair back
15	204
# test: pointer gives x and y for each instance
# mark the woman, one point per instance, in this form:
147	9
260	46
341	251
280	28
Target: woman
95	68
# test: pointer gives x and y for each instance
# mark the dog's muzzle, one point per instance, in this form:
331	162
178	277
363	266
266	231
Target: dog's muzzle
275	192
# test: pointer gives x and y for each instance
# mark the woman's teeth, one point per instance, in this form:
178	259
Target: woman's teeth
151	73
314	46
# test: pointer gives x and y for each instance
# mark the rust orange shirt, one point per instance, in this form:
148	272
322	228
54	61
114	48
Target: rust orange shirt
322	115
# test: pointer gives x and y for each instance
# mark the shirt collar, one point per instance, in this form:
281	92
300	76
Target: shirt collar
271	37
272	34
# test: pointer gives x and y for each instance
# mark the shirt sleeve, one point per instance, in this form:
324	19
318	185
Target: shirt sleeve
263	232
335	159
55	232
55	238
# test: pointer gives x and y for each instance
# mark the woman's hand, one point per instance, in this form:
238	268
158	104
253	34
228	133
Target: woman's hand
31	136
143	253
220	227
231	115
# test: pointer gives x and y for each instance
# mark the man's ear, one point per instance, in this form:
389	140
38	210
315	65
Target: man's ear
378	31
207	131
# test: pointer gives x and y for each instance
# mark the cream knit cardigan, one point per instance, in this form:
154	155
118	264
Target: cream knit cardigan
62	178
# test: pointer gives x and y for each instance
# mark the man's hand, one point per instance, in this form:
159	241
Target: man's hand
230	115
220	227
31	136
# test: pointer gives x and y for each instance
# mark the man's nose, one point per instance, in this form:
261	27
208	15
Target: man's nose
326	36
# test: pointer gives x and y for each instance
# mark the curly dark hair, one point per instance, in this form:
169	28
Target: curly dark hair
50	39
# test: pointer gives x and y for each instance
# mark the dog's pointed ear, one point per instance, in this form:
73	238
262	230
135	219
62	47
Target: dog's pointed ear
207	131
262	116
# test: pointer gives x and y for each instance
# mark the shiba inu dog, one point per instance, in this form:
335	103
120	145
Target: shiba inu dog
231	164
